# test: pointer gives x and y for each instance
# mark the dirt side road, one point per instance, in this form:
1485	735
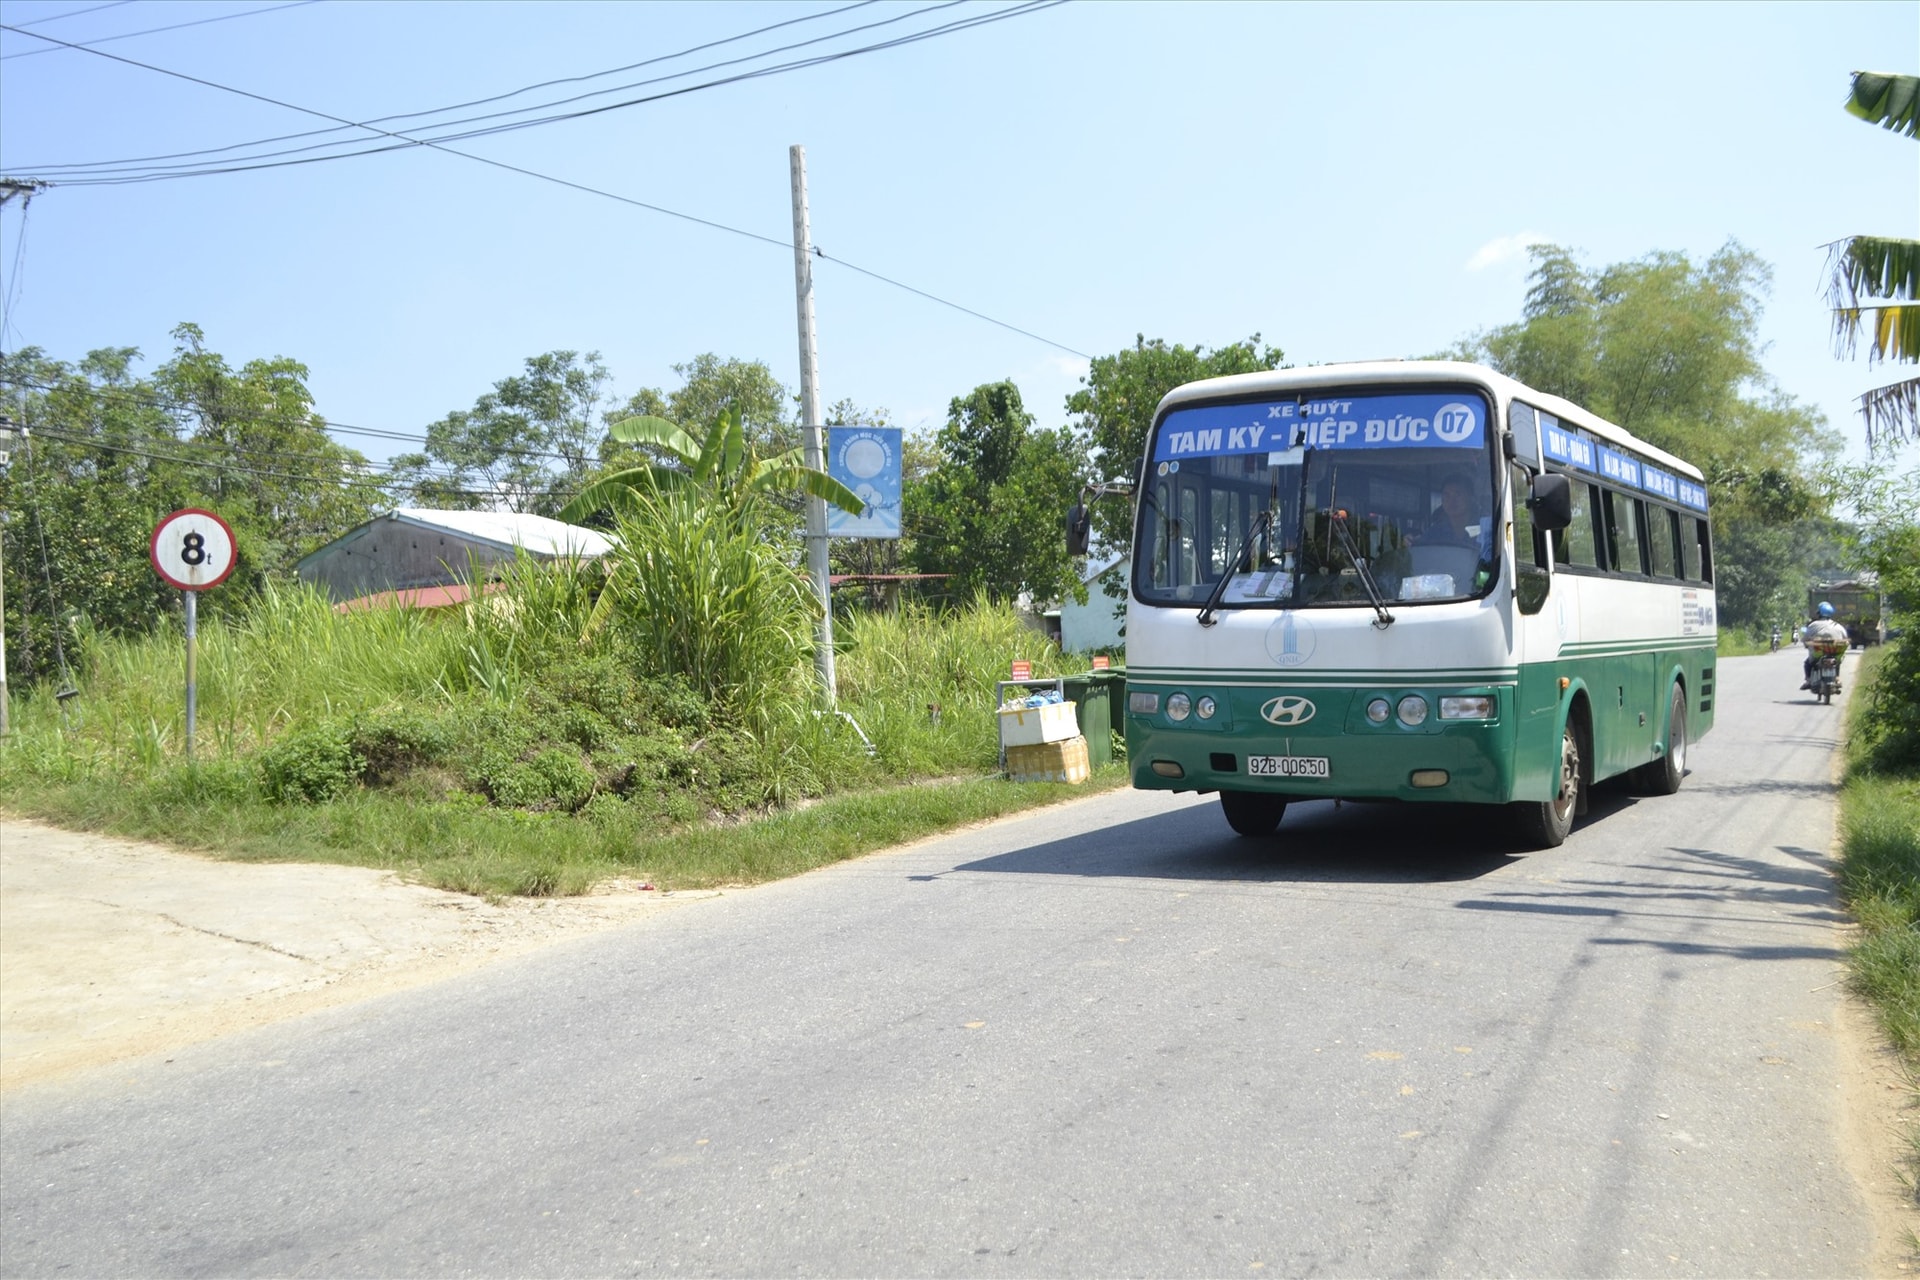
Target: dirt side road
111	948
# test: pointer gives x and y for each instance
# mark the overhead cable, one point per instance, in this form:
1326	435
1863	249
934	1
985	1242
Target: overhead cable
128	35
106	165
402	141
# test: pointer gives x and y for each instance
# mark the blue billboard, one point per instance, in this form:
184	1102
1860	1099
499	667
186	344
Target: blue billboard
867	461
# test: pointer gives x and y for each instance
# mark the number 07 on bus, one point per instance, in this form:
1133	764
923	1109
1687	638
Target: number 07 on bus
1417	581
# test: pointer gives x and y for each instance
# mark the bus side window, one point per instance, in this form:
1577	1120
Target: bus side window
1662	536
1530	562
1575	545
1623	534
1704	541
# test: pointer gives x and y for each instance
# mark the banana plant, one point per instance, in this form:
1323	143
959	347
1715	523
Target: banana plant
1874	282
721	466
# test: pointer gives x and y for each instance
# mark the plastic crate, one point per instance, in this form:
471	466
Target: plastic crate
1049	761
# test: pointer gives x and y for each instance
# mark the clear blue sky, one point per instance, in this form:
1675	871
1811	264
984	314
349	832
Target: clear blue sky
1349	180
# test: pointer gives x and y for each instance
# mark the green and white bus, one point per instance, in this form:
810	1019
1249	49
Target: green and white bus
1416	581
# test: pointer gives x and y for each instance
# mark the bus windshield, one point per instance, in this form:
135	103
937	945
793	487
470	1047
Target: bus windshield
1320	500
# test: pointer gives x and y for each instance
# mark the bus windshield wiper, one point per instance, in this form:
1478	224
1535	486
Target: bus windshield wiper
1260	522
1337	518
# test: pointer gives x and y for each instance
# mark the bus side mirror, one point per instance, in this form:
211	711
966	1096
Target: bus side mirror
1079	529
1551	502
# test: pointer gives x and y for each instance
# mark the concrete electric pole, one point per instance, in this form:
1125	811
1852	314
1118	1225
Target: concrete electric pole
815	448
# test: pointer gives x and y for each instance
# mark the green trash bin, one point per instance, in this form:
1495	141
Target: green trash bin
1093	708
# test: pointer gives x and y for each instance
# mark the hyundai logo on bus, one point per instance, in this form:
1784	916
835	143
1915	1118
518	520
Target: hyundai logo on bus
1287	709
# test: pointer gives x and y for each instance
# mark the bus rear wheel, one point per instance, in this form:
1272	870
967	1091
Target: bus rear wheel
1545	823
1662	777
1252	813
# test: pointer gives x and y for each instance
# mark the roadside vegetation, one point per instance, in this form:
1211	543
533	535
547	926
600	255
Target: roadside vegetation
526	745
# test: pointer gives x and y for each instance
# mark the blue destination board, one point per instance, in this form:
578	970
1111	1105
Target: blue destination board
867	461
1352	422
1564	445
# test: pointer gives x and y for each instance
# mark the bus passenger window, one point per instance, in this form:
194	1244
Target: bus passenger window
1575	544
1661	539
1703	541
1623	534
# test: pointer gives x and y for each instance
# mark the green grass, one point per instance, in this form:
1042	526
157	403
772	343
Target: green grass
468	846
1880	882
1880	871
525	746
1742	644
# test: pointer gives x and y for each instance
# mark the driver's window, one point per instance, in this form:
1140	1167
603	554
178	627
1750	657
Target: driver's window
1531	575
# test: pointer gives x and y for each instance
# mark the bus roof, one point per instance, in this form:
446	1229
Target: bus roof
1400	372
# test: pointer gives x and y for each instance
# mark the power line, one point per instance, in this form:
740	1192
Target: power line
171	405
346	481
119	175
74	13
1017	10
460	106
128	35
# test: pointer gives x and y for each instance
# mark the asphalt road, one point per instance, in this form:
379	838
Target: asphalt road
1110	1038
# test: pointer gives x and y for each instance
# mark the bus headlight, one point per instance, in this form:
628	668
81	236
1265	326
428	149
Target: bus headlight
1179	706
1413	709
1475	707
1378	711
1143	704
1205	708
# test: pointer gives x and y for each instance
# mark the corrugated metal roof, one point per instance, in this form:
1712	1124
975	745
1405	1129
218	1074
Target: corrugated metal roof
414	598
538	534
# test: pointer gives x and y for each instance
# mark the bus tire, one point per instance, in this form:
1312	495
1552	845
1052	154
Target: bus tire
1662	777
1252	813
1544	824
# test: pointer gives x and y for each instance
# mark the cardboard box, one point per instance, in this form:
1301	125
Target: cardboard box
1049	761
1025	726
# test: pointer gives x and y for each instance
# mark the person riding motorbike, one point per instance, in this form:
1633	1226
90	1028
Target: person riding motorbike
1822	630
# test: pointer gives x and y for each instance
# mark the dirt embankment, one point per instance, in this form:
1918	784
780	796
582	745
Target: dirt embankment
111	948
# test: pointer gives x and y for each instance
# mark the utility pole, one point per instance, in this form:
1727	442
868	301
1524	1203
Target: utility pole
8	435
9	188
815	451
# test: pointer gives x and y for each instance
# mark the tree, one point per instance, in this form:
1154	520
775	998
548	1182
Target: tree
710	385
110	453
1119	394
266	463
1669	349
1874	281
523	446
989	513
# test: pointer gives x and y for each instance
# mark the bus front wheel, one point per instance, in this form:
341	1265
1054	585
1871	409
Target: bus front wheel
1252	813
1545	823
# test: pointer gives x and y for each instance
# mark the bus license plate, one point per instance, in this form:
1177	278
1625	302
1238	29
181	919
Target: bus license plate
1288	767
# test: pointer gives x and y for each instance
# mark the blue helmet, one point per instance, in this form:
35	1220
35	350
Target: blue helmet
1825	610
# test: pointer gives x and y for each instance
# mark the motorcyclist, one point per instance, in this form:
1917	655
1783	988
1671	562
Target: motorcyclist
1822	630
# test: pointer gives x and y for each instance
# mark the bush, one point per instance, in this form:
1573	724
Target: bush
553	779
393	742
1892	717
311	765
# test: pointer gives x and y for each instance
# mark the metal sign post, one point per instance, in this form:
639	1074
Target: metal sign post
194	550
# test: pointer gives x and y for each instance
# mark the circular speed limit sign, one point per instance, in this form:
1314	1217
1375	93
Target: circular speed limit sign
193	549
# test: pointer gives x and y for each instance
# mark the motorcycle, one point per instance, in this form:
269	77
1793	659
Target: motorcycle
1825	680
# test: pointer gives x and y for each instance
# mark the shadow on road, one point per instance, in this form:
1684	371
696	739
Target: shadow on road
1350	843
